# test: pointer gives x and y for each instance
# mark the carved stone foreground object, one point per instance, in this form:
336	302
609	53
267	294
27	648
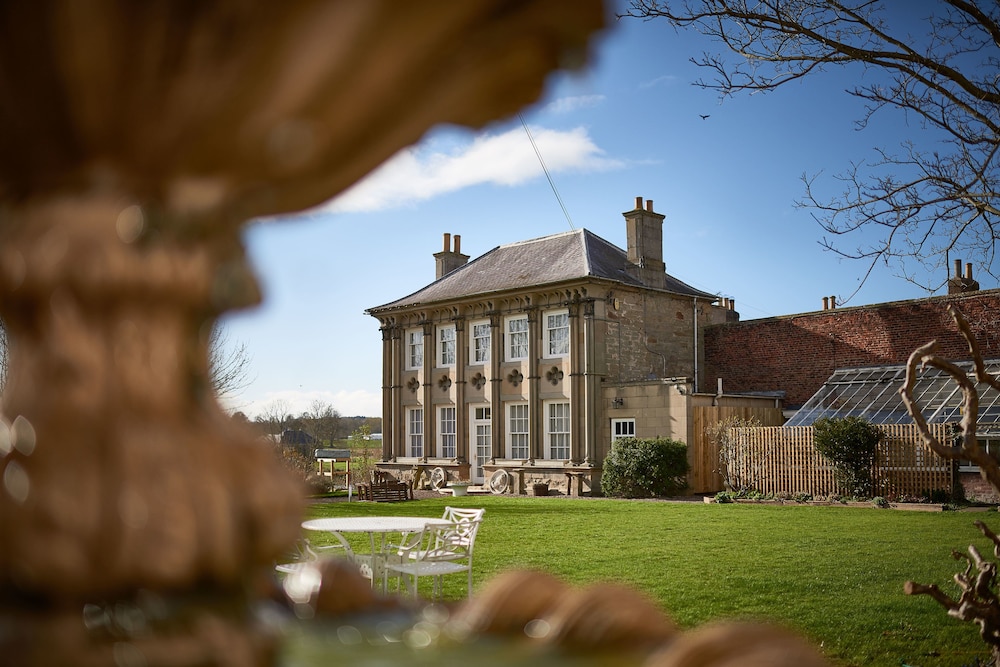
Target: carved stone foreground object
135	139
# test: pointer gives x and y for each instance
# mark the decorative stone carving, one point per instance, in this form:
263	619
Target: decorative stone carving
135	141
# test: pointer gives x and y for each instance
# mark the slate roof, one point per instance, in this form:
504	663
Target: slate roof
543	261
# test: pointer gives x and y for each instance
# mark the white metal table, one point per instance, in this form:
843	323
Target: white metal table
377	528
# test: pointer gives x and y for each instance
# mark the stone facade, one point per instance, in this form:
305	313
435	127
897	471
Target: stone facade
546	416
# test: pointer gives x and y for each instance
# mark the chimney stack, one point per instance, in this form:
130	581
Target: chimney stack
644	233
448	260
959	284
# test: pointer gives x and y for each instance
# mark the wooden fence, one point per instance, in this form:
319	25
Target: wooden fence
783	460
705	476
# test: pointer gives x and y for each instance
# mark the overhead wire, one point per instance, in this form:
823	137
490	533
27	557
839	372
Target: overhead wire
545	169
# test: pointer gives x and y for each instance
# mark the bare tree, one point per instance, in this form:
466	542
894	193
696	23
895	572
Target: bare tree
978	602
228	362
274	418
912	205
321	421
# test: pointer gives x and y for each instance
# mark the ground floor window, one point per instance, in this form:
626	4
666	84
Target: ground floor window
557	430
415	431
622	428
446	432
517	430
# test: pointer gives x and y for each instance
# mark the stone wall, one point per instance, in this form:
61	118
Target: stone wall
798	353
651	334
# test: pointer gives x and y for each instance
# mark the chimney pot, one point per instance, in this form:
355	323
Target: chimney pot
958	268
826	303
447	242
833	302
732	304
458	243
638	202
968	271
649	205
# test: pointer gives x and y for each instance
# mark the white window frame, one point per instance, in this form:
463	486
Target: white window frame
517	344
518	431
479	344
558	430
414	349
620	428
446	346
556	346
447	435
415	432
989	444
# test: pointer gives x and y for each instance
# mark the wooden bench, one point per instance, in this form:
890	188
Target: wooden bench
385	492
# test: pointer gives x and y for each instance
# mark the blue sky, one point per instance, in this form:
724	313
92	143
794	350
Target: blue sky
629	125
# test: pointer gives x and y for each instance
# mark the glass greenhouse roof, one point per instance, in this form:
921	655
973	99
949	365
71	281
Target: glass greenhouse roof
873	393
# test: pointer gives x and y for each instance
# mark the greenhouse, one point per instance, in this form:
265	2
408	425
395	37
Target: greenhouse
873	393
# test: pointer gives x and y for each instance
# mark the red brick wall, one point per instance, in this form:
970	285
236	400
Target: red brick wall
798	353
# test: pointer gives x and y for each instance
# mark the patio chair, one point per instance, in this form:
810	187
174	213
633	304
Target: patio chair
438	550
305	552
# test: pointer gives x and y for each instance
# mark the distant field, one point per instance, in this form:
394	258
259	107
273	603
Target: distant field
835	574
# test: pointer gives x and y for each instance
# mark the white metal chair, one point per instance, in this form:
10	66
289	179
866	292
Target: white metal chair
305	552
438	550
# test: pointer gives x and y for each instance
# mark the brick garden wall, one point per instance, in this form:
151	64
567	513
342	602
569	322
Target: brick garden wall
798	353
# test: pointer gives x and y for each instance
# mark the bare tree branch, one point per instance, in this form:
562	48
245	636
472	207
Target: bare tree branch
229	364
965	445
938	193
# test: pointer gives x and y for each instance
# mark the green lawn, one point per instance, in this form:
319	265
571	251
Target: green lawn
836	574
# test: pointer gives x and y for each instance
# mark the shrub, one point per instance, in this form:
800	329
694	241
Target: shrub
850	444
645	468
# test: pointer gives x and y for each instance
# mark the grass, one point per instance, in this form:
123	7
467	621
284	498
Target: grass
834	574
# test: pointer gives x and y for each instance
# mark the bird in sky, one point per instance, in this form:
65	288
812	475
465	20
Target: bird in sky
704	116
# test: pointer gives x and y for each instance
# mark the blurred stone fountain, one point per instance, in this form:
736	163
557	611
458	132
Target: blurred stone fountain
136	519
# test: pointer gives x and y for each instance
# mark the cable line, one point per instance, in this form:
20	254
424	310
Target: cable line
546	170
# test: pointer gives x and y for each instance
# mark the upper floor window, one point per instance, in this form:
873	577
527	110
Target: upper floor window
481	341
517	338
447	431
557	430
415	431
446	346
557	334
517	430
414	349
622	428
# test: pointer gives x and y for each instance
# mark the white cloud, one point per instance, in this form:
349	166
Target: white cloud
568	104
355	403
414	175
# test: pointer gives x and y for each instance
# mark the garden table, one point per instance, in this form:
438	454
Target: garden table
378	528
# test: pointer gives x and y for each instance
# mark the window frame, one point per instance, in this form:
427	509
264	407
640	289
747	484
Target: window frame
564	437
509	338
415	436
523	437
548	337
474	349
446	350
621	421
447	437
414	341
